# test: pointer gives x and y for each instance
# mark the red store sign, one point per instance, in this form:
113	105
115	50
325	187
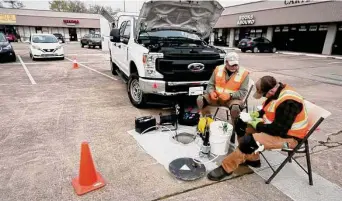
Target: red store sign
71	21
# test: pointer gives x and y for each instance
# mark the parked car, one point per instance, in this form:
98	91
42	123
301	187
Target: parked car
258	44
11	37
45	46
6	49
59	37
91	40
157	57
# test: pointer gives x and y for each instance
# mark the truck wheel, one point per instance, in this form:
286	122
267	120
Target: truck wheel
135	94
113	67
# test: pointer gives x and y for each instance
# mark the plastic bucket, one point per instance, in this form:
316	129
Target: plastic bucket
220	133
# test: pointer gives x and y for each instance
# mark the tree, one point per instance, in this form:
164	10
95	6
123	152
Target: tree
14	4
78	7
68	6
58	5
96	9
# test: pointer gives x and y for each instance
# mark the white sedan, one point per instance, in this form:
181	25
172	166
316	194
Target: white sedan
45	46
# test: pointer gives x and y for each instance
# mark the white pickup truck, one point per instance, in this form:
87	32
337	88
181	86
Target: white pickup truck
163	52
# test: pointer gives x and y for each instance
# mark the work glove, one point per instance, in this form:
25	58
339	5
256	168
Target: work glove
255	114
213	95
203	123
224	97
255	122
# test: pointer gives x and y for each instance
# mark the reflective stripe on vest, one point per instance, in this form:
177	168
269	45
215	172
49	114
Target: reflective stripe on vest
300	126
233	84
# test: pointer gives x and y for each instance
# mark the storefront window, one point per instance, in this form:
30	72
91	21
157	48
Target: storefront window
300	37
39	30
337	46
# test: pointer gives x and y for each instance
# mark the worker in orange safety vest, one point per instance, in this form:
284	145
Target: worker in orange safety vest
227	86
280	124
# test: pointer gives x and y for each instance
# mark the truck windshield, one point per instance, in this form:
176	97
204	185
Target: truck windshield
170	34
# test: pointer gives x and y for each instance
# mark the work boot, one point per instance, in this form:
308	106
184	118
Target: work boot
255	164
218	174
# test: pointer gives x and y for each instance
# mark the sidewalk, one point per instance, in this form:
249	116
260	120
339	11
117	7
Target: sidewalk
291	53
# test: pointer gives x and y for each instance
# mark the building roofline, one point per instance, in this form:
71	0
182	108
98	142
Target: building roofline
245	3
264	9
46	10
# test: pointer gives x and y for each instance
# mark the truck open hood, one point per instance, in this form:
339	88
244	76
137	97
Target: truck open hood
193	16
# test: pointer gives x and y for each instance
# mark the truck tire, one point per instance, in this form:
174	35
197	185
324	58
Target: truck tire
136	96
113	67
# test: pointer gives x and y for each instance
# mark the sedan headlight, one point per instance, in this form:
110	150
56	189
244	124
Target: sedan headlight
36	47
149	61
58	47
8	47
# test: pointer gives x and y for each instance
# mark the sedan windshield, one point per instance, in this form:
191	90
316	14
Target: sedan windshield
2	37
44	39
96	36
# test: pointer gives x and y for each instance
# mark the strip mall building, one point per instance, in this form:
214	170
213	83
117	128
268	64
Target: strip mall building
25	22
292	25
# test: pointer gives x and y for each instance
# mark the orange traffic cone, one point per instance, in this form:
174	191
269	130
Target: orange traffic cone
75	64
89	179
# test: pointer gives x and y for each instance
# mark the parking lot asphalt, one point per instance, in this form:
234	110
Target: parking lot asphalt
47	109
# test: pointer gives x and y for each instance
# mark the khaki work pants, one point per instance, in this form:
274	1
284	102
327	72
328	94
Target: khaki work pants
233	160
233	105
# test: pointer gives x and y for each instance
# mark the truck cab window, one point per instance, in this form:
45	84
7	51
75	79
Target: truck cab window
127	30
122	28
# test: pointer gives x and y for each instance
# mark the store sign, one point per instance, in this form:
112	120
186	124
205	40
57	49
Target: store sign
291	2
313	28
323	28
7	19
71	22
246	20
302	28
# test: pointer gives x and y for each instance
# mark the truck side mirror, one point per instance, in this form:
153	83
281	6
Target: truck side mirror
115	35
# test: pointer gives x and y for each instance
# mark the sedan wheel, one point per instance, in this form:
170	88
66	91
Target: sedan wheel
255	49
274	50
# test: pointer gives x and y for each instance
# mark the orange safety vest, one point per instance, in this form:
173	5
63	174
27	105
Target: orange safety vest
234	82
300	126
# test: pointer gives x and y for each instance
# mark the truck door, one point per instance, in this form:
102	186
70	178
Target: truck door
116	49
125	47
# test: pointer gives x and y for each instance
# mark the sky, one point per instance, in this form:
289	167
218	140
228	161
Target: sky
130	5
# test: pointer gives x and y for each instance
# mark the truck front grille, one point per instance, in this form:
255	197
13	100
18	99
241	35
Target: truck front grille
177	70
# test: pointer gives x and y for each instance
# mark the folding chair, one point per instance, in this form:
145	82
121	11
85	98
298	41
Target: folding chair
316	116
244	106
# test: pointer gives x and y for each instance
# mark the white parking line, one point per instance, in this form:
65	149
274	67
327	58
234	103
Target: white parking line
85	54
92	69
337	62
26	70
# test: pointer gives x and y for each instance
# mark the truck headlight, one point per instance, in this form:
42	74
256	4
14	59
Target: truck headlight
149	61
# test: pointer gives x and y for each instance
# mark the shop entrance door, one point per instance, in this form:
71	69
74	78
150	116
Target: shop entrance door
280	37
311	39
73	34
337	46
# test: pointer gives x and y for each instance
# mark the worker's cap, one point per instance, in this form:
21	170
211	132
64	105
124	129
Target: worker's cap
232	58
264	85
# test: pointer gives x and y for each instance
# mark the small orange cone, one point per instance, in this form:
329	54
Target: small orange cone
75	64
89	179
